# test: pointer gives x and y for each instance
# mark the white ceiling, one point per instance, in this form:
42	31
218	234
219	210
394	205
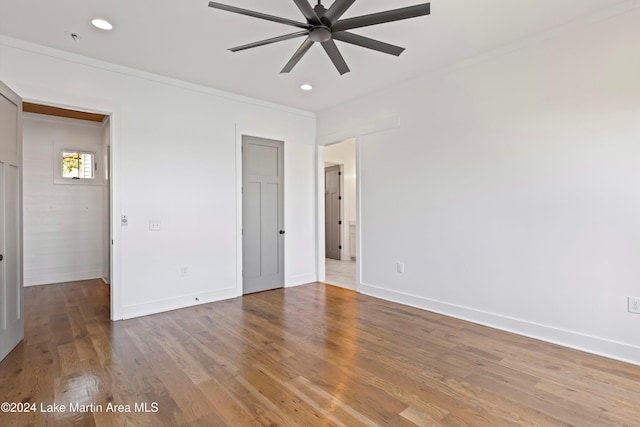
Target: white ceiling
188	40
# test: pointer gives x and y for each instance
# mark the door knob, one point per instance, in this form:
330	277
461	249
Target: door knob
281	231
1	257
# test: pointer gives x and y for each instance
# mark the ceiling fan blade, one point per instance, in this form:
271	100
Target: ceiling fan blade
259	15
308	12
304	47
269	41
337	9
362	41
382	17
336	57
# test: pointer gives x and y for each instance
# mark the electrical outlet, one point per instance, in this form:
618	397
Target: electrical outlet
184	271
400	267
154	225
634	305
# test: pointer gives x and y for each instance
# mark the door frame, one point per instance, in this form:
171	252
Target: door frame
115	253
356	130
321	266
249	130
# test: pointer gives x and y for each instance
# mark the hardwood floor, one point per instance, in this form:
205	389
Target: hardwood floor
305	356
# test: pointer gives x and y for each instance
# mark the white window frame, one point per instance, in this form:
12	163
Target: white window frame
57	168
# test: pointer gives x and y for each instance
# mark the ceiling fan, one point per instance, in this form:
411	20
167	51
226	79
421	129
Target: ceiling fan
324	26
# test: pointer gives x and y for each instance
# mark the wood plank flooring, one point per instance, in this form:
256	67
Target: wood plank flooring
314	355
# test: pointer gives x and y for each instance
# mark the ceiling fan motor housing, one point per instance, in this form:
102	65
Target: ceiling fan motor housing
320	33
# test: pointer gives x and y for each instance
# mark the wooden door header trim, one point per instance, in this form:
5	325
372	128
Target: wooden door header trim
48	110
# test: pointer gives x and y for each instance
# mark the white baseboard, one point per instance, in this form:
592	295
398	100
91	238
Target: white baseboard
300	280
590	344
159	306
46	278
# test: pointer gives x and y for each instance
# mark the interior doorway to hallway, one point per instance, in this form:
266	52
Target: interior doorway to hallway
66	195
340	195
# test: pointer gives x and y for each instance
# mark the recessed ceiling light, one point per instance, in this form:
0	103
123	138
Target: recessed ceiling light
306	86
102	24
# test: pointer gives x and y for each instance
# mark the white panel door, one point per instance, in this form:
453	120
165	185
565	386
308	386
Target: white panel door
262	214
11	305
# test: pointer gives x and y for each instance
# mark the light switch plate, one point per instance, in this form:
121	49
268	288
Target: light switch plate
154	226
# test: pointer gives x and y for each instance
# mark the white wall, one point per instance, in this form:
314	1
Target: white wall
174	160
344	153
62	223
510	187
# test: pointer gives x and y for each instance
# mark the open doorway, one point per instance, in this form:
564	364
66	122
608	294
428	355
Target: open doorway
340	213
66	195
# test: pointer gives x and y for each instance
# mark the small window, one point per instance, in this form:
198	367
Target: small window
78	164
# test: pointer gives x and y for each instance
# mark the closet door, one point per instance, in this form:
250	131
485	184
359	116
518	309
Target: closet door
11	305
